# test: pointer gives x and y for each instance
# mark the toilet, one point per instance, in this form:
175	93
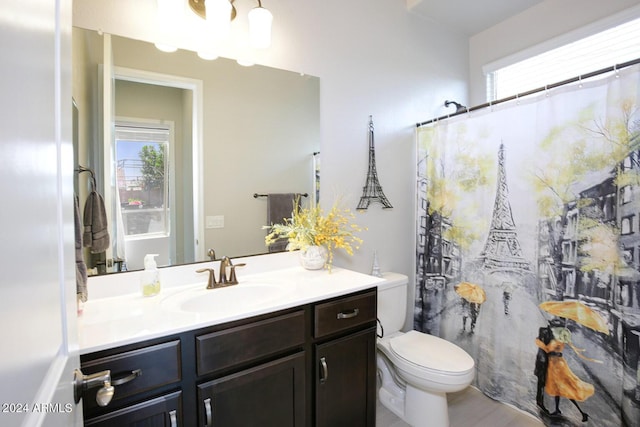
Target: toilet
416	370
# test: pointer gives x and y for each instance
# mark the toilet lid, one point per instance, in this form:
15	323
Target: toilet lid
431	352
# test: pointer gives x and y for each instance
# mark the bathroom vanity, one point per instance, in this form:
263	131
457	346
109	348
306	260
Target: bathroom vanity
305	357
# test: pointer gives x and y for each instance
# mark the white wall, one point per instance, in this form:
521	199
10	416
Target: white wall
540	28
373	58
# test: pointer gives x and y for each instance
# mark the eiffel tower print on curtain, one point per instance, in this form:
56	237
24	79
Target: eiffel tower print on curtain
502	250
372	191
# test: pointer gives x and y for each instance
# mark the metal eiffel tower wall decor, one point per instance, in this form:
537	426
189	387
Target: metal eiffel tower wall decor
372	191
502	250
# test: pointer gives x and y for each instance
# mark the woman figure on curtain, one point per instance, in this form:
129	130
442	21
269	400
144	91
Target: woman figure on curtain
561	381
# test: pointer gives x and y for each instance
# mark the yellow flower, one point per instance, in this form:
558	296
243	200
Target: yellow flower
309	227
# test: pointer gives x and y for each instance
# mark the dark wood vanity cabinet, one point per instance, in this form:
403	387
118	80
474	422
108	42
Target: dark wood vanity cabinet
308	366
345	361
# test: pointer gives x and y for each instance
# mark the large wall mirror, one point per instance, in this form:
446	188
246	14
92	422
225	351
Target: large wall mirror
245	130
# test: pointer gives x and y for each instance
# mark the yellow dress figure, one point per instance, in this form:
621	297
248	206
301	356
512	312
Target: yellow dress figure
561	381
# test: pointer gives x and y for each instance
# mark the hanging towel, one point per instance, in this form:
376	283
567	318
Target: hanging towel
96	235
279	207
81	267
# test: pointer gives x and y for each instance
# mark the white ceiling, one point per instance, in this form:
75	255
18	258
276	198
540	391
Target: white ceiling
469	16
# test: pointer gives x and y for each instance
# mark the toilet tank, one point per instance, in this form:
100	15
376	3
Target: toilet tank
392	302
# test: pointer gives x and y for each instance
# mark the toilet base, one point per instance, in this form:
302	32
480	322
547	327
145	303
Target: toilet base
425	409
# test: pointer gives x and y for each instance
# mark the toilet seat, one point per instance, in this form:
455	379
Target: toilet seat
431	353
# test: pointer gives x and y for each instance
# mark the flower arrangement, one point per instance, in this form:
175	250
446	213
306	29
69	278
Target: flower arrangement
310	227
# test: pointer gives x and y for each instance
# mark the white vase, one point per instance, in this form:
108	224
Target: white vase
314	257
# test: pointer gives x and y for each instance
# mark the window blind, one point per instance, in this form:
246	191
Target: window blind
613	46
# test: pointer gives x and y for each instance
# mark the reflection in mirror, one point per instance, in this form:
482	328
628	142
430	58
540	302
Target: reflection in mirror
260	129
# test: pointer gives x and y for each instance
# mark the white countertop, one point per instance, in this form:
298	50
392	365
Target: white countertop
124	316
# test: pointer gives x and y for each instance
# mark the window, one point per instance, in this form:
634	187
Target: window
626	225
625	195
613	46
142	178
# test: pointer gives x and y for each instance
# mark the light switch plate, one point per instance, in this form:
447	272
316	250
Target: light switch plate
214	221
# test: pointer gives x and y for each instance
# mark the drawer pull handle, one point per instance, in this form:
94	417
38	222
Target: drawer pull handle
132	376
324	370
207	410
348	315
174	419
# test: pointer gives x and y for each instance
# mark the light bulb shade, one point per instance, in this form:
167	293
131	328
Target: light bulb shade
218	19
167	13
260	20
207	55
166	47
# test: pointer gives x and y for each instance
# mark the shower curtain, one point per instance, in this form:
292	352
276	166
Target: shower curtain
528	247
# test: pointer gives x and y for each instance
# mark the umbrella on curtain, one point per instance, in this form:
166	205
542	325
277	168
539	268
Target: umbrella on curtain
471	292
578	312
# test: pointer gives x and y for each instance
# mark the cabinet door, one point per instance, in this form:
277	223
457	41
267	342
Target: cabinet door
269	395
163	411
346	381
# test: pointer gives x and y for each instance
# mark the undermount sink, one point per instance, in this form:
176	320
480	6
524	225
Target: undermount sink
224	300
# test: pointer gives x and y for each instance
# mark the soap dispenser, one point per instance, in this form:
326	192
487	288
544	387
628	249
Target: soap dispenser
150	279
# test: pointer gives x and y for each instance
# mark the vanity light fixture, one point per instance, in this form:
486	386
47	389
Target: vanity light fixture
220	13
215	26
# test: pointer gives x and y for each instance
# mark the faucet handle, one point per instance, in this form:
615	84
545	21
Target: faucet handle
233	279
212	276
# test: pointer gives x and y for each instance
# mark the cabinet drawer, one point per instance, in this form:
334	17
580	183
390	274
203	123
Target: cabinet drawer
344	313
161	411
243	344
158	364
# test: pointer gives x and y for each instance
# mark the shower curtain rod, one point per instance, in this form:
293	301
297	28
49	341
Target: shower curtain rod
532	91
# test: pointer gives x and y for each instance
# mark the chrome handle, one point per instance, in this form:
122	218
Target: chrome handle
207	411
174	418
132	376
233	280
212	276
324	370
349	315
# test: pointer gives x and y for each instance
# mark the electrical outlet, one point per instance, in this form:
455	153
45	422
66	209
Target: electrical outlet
215	221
